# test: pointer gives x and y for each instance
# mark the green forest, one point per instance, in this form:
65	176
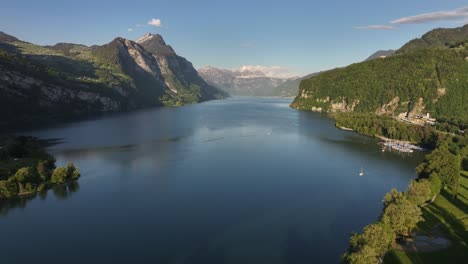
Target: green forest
425	73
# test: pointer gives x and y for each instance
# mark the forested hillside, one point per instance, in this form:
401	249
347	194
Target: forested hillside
430	79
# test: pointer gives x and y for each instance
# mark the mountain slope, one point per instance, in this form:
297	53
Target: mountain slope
412	82
290	87
66	80
179	74
244	82
380	54
441	37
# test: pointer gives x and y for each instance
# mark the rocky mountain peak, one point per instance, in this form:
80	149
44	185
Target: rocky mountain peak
154	43
7	38
151	37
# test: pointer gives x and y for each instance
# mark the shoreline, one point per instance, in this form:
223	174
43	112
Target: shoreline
346	129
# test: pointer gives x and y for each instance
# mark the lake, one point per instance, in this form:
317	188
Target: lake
242	180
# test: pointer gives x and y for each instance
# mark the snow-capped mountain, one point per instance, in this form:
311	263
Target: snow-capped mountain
245	81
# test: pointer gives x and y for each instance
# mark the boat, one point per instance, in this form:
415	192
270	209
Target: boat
361	173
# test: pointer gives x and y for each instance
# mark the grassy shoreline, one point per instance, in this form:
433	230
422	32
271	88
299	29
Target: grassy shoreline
447	216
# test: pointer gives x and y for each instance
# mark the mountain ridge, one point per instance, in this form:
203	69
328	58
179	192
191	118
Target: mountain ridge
416	80
68	80
244	82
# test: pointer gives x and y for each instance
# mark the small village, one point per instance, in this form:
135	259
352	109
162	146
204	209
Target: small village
421	120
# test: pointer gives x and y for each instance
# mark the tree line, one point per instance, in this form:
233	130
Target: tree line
27	168
402	210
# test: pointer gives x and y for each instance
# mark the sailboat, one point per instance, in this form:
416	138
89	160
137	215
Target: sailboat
361	173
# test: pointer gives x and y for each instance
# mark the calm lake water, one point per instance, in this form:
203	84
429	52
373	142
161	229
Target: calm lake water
234	181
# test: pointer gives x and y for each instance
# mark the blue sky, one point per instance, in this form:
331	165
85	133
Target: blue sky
301	36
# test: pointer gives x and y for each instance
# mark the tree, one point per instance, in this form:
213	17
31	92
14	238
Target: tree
455	177
371	245
44	169
25	178
8	189
402	216
366	255
419	191
72	172
59	176
23	175
379	237
442	163
392	197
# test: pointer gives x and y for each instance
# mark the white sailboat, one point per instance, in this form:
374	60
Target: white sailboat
361	173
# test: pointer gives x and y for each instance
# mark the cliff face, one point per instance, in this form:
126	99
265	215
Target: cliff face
67	80
179	75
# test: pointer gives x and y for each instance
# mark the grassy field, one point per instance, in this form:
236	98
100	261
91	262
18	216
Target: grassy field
447	217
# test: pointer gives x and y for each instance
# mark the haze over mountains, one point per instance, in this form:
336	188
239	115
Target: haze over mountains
255	81
250	81
68	79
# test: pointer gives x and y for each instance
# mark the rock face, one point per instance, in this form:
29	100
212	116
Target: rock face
179	74
244	82
67	80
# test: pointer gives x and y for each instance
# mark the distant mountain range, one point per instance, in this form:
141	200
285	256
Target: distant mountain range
245	82
426	75
64	80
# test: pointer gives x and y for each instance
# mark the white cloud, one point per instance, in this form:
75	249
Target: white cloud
434	16
130	30
269	71
155	22
376	27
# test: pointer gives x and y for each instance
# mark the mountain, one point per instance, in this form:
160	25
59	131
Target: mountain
430	78
440	37
179	74
290	87
245	82
381	54
44	83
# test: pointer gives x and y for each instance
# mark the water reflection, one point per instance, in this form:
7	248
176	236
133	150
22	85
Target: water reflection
233	181
60	192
